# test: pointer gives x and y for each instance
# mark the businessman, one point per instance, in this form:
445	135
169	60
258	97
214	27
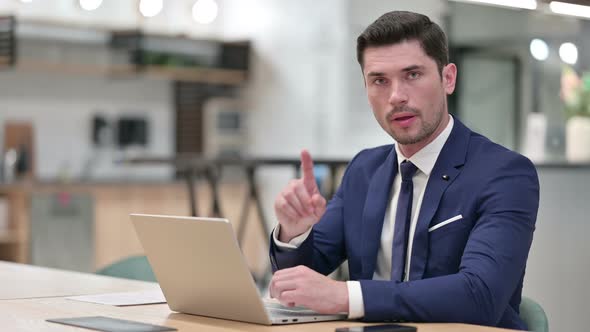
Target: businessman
436	227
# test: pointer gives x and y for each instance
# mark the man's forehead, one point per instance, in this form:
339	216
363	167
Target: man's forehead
396	57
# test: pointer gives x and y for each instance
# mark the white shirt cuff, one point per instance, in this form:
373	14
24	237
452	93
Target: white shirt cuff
356	307
294	243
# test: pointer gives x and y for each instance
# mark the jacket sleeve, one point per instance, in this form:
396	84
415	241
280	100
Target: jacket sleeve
492	264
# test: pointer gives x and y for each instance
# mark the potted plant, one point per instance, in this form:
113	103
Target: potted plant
575	93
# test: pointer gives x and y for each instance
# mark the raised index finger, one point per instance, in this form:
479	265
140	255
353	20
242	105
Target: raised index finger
307	169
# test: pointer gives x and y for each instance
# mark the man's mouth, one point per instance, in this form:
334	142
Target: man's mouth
403	118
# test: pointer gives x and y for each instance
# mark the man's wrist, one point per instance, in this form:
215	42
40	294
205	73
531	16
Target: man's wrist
282	235
286	236
294	243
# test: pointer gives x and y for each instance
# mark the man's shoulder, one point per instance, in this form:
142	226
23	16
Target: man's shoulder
368	160
372	156
490	155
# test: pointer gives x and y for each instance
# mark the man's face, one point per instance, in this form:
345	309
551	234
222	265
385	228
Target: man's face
406	91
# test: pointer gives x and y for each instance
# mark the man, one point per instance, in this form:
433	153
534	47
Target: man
436	228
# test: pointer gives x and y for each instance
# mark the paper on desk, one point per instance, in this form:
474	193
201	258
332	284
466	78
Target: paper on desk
124	299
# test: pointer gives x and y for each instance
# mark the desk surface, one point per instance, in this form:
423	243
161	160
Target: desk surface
19	281
29	314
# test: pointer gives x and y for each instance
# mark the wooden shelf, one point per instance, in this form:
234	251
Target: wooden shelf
200	75
73	68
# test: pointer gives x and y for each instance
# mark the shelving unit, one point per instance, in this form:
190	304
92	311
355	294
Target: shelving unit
182	59
7	47
53	48
195	69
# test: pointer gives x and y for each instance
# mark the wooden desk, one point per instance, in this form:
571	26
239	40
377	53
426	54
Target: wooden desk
30	314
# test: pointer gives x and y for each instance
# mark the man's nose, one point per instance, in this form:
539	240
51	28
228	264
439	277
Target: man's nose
398	95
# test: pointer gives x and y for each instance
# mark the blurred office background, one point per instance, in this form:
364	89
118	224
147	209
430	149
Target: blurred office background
111	107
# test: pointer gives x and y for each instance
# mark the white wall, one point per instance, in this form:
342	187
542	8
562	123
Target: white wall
293	77
61	110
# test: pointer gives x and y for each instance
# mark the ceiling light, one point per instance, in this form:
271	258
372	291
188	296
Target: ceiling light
150	8
26	1
568	52
525	4
205	11
90	4
539	49
569	9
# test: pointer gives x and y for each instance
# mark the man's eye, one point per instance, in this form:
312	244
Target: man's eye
379	81
413	75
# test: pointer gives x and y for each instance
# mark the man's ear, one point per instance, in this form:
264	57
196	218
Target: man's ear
449	78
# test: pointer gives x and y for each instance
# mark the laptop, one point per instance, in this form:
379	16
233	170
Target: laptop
202	271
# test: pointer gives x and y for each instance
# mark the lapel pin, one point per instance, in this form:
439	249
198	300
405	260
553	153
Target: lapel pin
445	177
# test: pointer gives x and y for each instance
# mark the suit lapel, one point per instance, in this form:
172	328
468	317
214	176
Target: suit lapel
449	162
378	195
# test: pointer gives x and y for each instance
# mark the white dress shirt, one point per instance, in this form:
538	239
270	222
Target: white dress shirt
424	160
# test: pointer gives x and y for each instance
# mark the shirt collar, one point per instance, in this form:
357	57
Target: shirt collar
427	156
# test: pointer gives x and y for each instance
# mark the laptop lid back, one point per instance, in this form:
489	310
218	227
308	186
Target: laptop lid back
200	267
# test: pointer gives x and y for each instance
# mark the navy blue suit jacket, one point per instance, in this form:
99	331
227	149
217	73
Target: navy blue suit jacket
470	270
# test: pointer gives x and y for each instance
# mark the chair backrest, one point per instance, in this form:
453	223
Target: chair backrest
533	315
134	267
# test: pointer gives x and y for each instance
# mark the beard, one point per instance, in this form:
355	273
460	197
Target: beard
426	128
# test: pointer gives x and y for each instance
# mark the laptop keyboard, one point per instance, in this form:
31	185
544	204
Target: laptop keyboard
275	309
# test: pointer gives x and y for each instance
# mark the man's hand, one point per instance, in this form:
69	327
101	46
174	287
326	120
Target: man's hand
300	205
301	286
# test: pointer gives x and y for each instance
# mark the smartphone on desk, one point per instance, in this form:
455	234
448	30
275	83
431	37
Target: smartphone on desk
378	328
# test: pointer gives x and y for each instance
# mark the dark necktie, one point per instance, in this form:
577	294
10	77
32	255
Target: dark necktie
403	217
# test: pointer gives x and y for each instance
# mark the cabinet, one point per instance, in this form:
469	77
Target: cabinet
62	230
13	235
107	231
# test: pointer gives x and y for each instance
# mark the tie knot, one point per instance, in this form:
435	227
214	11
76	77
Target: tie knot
407	169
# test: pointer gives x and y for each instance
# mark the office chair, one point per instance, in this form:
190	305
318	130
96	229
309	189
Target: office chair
133	267
533	315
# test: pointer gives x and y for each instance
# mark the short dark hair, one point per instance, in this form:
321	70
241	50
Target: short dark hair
398	26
